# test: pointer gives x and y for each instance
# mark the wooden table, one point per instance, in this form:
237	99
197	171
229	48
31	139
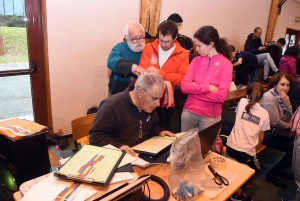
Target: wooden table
238	94
235	95
243	172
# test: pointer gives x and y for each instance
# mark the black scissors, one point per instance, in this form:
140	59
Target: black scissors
218	178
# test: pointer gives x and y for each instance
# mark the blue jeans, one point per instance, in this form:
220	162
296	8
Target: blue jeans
296	166
190	120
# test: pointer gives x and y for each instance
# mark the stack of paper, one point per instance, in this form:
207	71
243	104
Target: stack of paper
52	188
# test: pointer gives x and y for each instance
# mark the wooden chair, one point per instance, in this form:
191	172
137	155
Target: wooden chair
81	127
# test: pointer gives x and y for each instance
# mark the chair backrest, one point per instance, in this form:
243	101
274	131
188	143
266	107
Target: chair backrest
82	125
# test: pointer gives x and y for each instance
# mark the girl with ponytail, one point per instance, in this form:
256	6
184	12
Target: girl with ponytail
251	122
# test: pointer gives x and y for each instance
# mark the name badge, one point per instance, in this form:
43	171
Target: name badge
251	118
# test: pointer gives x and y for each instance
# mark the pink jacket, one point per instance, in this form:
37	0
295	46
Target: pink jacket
288	64
203	71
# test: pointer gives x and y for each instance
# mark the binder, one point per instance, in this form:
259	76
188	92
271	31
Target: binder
92	164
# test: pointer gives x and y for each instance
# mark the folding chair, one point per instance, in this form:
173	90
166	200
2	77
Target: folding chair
81	127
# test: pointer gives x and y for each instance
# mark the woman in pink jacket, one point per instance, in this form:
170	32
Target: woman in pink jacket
288	62
207	80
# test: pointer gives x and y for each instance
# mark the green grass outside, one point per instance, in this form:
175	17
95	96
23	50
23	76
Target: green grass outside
15	45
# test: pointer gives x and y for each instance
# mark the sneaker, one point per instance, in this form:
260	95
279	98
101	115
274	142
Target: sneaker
241	197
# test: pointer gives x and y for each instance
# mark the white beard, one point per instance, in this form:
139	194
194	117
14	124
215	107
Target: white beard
136	47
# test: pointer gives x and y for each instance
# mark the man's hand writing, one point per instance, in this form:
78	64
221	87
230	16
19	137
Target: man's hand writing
166	133
128	150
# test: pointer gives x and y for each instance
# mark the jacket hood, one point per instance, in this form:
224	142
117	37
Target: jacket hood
286	59
250	36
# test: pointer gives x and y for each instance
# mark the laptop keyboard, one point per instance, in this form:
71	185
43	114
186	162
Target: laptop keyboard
163	158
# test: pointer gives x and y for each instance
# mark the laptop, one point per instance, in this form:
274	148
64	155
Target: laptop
207	138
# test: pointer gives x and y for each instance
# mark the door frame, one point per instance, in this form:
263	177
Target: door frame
292	31
38	62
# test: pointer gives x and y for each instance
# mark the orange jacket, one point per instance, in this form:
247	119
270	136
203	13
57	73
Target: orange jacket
174	68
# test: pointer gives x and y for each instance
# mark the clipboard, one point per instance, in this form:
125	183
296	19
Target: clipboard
92	164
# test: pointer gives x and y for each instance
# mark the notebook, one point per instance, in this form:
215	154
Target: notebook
207	138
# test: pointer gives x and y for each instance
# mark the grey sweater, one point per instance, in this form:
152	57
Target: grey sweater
276	113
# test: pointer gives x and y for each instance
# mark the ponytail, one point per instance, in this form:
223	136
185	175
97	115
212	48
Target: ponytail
254	93
224	48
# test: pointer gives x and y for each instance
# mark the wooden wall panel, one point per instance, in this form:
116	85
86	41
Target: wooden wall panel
272	20
150	10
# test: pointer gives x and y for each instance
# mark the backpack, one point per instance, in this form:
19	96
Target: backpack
92	110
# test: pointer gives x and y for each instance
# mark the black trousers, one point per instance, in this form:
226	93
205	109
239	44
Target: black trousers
165	116
245	158
283	144
242	72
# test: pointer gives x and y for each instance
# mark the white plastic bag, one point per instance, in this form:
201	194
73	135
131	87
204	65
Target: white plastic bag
186	167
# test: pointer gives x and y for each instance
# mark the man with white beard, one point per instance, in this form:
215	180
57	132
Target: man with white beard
124	57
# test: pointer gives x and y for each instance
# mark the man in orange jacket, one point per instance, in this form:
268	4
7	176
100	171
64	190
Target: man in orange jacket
167	58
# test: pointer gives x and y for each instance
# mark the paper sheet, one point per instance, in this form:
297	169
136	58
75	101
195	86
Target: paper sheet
121	176
50	187
211	189
126	159
140	162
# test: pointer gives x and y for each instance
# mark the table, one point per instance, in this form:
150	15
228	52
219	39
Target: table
27	157
243	172
238	94
235	95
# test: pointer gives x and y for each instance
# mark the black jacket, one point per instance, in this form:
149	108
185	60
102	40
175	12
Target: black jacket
252	45
275	52
117	122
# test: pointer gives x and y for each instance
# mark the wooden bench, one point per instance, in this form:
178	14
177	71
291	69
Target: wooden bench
283	132
260	149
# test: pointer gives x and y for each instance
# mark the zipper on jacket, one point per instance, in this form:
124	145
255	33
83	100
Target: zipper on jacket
158	55
208	64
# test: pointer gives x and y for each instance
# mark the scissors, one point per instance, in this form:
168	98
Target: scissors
218	178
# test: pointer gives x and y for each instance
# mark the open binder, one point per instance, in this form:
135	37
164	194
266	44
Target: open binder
92	164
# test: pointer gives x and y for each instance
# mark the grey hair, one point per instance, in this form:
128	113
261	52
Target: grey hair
148	80
132	25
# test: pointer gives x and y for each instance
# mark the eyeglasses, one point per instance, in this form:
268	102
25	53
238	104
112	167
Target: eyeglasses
169	42
135	40
140	129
